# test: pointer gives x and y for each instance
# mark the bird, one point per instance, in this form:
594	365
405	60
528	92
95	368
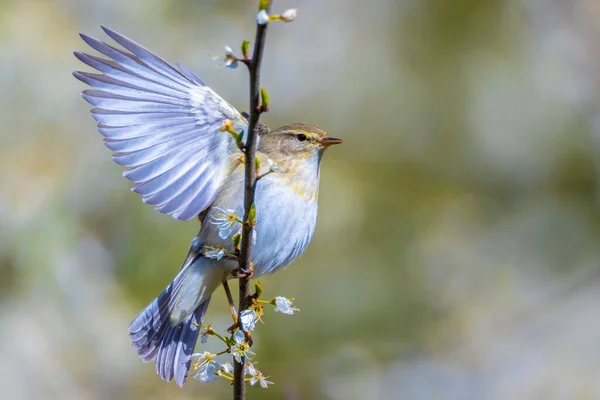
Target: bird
168	130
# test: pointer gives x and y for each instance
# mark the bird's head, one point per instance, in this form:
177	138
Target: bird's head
296	142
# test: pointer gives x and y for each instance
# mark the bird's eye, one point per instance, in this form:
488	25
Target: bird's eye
301	137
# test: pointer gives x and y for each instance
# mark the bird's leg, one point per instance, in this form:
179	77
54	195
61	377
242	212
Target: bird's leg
237	274
231	303
233	327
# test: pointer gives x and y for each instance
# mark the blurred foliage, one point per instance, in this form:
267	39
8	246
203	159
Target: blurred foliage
456	253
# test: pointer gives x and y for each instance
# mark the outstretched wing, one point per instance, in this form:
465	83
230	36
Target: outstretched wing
162	124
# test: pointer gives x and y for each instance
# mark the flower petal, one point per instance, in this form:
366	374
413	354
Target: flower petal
239	337
248	320
227	367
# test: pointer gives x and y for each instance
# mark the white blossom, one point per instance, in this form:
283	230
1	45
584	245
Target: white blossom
227	220
227	367
240	349
206	374
248	320
206	366
250	370
230	60
284	306
216	253
257	376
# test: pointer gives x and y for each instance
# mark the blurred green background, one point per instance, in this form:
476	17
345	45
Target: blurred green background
456	254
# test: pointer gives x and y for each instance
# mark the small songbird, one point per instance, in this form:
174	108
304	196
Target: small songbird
170	132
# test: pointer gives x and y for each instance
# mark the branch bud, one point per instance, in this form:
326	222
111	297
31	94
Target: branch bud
258	289
245	45
237	240
289	15
263	4
265	100
252	215
257	164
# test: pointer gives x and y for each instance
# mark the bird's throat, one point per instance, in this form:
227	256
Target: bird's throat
301	175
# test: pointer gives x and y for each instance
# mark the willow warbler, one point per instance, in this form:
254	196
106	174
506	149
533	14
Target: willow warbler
165	126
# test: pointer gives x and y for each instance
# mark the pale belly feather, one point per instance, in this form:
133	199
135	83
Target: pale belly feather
286	221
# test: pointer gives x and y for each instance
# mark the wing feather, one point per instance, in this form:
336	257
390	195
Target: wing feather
188	211
151	170
148	58
183	193
155	188
116	71
130	132
99	96
143	142
102	99
125	118
129	62
102	81
162	124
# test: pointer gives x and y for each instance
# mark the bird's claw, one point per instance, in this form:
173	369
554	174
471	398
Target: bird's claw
241	274
233	327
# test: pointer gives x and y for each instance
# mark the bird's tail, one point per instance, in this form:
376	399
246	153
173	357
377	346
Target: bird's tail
167	329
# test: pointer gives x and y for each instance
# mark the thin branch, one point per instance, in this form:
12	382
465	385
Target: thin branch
239	385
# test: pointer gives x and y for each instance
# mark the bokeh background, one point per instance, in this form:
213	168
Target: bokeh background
457	250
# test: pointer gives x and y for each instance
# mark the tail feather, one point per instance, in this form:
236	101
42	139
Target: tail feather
187	341
175	356
171	335
147	328
153	333
149	354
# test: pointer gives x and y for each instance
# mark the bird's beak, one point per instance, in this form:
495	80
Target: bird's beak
328	141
